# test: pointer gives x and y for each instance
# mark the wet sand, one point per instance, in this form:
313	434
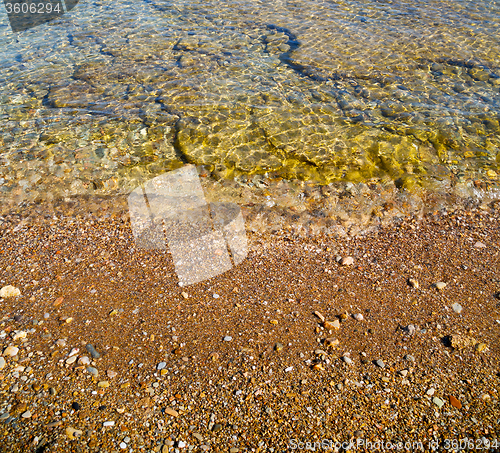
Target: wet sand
243	363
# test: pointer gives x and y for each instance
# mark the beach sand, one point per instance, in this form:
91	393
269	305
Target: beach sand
244	361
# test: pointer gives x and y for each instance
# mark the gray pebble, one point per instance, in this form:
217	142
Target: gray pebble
93	371
380	363
457	308
409	357
228	338
92	351
161	365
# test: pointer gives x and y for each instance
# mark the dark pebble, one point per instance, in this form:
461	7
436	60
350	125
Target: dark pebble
18	318
101	408
75	406
92	351
217	427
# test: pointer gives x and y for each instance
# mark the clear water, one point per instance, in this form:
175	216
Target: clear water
115	93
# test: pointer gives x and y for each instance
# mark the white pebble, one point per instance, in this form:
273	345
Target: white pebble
123	445
9	291
111	423
228	338
358	317
19	335
84	360
287	370
11	351
457	308
216	296
347	261
440	285
347	360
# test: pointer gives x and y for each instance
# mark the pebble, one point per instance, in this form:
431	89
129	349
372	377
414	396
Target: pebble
11	351
103	384
320	316
228	338
380	363
84	360
4	416
161	365
9	291
61	343
438	402
75	406
26	414
73	433
331	342
181	444
347	360
440	285
411	329
454	402
109	423
185	295
93	371
461	341
2	363
172	412
216	296
479	245
123	445
481	347
413	283
347	261
288	369
19	335
457	308
111	374
278	347
92	351
403	373
71	360
358	317
332	325
409	358
431	391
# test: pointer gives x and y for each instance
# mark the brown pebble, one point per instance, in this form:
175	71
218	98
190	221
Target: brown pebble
58	301
455	403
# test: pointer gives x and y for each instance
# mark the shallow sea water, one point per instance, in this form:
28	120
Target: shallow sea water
400	94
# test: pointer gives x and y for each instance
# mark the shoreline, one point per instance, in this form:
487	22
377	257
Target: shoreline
216	394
